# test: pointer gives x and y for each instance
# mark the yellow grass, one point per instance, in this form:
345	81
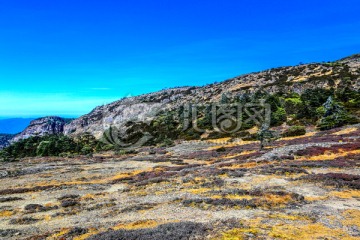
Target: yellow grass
232	196
289	217
198	191
315	198
92	231
243	165
253	130
351	217
6	213
88	197
58	235
305	78
329	155
247	152
232	144
346	194
277	200
136	225
239	86
98	181
346	131
309	134
221	140
307	232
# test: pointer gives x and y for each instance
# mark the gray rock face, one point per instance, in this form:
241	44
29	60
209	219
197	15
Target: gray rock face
41	127
135	109
296	78
144	107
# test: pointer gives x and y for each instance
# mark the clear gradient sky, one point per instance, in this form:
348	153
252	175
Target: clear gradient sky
64	57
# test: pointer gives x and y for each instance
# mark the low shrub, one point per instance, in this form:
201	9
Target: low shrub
175	231
294	131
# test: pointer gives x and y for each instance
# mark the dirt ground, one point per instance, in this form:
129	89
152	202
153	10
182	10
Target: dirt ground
305	187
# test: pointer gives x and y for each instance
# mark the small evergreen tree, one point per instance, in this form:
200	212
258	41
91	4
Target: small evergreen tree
265	135
335	116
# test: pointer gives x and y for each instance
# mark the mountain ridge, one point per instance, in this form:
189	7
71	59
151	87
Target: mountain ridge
296	79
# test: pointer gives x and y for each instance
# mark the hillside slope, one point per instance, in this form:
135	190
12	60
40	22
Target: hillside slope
41	127
338	75
294	79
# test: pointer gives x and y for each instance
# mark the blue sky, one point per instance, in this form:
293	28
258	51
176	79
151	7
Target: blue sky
65	57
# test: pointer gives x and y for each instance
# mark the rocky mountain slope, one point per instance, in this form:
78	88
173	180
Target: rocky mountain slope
41	127
302	185
285	79
295	79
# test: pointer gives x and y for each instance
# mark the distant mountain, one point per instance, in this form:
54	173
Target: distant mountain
297	96
14	125
43	126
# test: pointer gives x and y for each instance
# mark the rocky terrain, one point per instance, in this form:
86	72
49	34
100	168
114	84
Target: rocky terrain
305	187
285	79
42	126
63	179
295	79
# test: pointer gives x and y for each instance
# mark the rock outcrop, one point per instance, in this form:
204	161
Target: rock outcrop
286	79
41	127
345	72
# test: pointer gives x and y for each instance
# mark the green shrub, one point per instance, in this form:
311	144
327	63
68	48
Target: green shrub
278	117
320	111
85	150
44	148
294	131
293	105
312	99
167	142
50	145
335	116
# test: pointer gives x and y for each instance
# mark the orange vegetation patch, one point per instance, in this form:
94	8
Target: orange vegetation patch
329	155
346	194
88	197
315	198
232	197
307	232
247	152
59	234
238	234
118	177
6	213
136	225
351	217
290	217
232	144
346	131
276	200
309	134
198	190
92	231
244	165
